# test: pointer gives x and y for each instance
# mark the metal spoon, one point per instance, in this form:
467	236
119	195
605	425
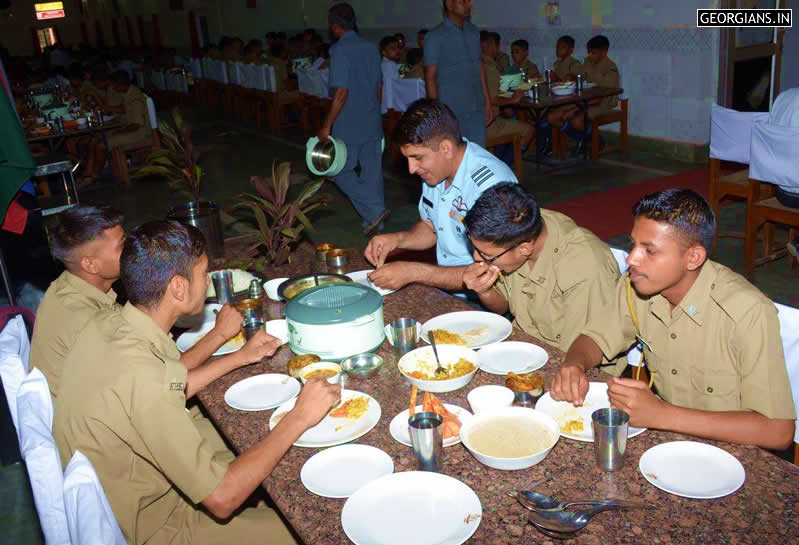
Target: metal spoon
568	523
535	501
439	369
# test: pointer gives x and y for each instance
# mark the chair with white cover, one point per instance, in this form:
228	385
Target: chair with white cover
730	140
158	79
89	515
119	160
35	416
774	151
14	362
789	332
406	91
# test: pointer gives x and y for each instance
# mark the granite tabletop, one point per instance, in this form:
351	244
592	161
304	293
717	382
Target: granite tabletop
763	510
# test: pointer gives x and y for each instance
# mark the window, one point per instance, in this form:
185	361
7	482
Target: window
46	37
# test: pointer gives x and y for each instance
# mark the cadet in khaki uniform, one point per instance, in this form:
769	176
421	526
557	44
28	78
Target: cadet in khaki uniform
122	403
502	126
278	60
519	50
557	276
88	241
711	339
566	67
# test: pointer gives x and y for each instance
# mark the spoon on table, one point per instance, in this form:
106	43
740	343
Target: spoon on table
568	523
535	501
439	369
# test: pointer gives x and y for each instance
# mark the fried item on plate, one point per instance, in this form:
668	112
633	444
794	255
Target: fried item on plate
297	363
573	427
442	336
352	409
451	425
530	382
460	368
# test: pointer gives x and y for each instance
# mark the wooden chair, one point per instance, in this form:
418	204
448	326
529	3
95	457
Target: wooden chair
768	212
617	116
516	140
119	159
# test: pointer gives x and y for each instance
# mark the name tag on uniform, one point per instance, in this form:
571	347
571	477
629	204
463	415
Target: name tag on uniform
177	386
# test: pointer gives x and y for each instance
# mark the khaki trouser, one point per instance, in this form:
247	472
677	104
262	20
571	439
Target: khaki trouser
506	127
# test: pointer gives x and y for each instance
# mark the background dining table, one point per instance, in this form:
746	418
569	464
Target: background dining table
764	510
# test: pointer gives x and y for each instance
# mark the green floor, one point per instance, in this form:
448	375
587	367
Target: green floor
236	151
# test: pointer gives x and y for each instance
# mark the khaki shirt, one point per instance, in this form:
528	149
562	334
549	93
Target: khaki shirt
281	72
135	103
68	305
605	73
565	68
569	284
503	61
492	78
122	404
530	69
415	72
718	350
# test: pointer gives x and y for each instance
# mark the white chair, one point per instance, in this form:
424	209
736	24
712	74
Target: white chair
234	73
324	78
196	67
406	91
774	151
222	72
621	259
90	518
305	81
38	448
158	80
14	340
789	332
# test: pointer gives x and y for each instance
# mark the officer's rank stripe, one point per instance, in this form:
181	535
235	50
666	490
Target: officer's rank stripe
483	178
476	174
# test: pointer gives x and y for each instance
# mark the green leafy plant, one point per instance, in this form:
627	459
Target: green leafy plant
178	161
280	221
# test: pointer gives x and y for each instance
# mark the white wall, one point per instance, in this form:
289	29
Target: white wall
789	77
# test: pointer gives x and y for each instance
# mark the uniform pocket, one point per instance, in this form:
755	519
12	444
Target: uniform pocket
716	391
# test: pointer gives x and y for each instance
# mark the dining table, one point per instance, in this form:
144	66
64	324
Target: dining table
764	509
548	101
55	140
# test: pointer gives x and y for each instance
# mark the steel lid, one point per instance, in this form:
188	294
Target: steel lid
333	304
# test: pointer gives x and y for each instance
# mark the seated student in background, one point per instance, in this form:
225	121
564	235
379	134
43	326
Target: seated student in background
600	70
566	67
502	126
519	50
324	56
503	62
415	62
711	340
88	241
785	112
122	403
254	52
390	53
455	172
403	47
552	275
278	59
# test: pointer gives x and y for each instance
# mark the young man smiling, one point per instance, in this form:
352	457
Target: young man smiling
711	339
557	276
455	172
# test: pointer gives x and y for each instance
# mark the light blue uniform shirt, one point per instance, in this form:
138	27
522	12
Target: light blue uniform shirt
456	55
447	206
355	65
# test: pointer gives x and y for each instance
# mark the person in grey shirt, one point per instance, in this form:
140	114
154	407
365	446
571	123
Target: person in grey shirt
354	117
454	72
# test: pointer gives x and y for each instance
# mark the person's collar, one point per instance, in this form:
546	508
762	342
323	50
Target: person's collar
89	290
450	22
544	263
148	329
694	303
347	34
461	165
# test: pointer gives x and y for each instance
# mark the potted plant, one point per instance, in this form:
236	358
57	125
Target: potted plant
279	220
179	163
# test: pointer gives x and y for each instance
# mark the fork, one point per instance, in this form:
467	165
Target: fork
439	369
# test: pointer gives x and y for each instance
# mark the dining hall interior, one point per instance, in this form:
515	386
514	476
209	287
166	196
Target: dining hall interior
451	256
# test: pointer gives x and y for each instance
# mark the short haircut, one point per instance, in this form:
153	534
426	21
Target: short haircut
342	14
120	77
485	36
80	225
153	254
505	215
415	56
568	40
496	37
683	209
599	42
426	122
387	41
521	43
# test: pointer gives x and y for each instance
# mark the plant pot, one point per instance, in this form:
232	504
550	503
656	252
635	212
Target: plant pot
205	216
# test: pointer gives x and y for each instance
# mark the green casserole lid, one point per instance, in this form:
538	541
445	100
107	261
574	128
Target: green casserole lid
333	304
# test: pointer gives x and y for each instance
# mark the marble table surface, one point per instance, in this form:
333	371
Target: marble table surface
764	510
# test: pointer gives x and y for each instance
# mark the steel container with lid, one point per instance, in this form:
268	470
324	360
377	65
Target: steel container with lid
335	321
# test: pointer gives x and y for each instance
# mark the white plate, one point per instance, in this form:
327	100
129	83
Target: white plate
196	321
339	471
563	411
512	356
692	470
241	282
399	425
270	288
418	507
333	431
189	338
279	329
262	392
387	329
361	278
477	328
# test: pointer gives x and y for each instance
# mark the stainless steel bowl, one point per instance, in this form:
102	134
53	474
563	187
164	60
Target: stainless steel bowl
323	155
338	257
322	249
363	365
294	286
